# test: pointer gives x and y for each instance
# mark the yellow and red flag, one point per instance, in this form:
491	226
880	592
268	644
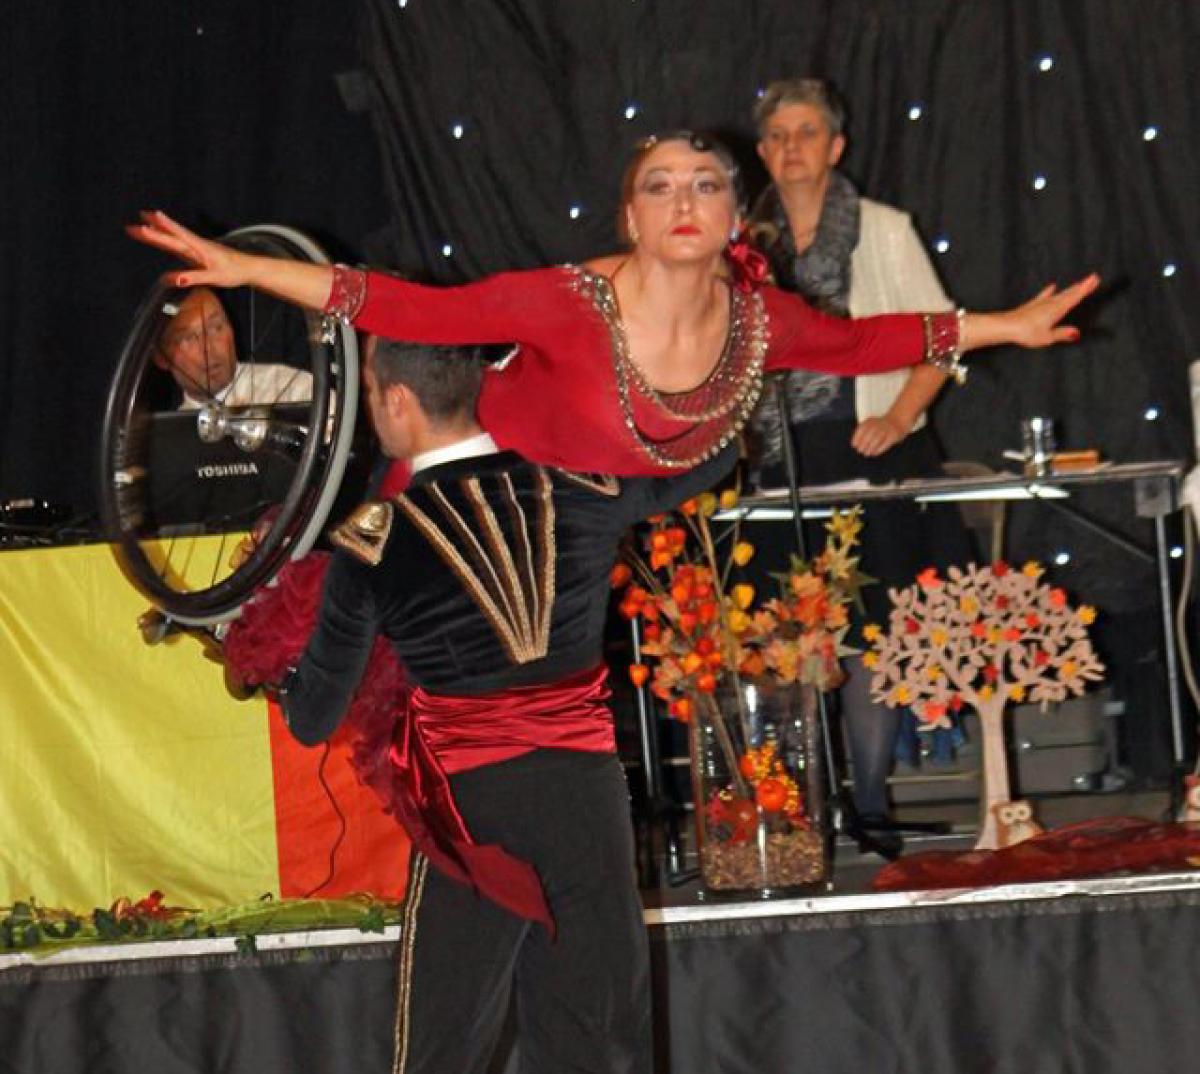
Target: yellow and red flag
127	768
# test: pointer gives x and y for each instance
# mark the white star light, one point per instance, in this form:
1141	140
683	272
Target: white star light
447	250
457	130
1039	182
575	212
1149	134
1168	269
915	112
1061	559
1151	413
1045	63
631	110
1177	552
942	245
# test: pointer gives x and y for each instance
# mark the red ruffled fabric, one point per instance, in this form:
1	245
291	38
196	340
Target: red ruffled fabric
1090	848
379	705
270	637
275	625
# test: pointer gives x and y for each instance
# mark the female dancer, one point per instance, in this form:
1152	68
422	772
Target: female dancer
637	363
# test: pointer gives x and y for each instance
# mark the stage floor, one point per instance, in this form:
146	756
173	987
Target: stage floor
847	891
1089	975
854	870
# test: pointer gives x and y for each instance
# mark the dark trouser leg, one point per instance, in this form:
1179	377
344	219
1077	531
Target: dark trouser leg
871	738
457	954
583	1001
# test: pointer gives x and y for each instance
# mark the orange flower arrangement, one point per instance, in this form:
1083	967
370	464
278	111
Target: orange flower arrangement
702	630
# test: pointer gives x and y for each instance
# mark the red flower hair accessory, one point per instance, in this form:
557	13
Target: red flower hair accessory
748	267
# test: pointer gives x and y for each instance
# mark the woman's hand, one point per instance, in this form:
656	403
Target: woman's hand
213	264
210	264
1035	323
874	436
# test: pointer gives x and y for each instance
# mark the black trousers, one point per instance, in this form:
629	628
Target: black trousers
582	1000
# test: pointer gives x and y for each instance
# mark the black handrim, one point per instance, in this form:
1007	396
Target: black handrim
333	366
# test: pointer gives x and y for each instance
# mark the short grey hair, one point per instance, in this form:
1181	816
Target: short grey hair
812	91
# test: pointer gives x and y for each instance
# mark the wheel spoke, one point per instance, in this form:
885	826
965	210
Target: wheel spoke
291	466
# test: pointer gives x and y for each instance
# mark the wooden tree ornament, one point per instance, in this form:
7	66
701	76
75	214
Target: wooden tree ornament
980	638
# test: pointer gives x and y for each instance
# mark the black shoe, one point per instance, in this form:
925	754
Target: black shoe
881	836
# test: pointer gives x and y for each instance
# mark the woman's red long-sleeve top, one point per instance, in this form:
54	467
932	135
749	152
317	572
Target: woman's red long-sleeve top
566	396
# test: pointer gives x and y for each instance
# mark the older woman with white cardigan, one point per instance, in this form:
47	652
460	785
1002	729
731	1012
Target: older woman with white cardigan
852	256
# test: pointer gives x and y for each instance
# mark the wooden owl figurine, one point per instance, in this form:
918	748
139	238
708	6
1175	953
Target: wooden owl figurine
1014	823
1189	811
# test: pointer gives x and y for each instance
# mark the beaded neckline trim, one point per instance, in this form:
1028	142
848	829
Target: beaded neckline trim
717	408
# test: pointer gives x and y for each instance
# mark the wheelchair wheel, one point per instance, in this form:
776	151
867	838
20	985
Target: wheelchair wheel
229	412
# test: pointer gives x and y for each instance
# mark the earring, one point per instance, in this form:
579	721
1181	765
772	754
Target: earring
733	235
633	233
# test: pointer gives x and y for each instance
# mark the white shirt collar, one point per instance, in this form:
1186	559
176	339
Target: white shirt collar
190	402
480	444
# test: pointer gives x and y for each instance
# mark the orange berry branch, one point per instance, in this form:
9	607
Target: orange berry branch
700	631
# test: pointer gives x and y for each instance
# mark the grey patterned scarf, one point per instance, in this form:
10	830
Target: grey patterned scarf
821	275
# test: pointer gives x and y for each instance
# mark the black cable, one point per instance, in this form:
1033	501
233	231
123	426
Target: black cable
337	843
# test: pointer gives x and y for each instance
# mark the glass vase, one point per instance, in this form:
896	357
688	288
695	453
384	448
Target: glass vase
758	789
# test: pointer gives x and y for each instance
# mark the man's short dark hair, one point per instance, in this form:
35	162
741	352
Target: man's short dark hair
445	380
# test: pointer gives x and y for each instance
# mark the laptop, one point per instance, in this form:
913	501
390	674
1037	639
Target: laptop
198	487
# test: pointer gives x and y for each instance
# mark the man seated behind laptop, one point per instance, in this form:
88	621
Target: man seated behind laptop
198	349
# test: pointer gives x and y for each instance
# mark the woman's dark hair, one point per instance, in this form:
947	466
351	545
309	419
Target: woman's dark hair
701	142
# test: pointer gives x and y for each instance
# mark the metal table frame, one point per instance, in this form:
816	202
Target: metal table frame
1156	496
1156	488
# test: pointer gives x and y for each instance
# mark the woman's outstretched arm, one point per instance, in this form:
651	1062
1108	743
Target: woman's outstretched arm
1036	323
213	264
804	338
505	308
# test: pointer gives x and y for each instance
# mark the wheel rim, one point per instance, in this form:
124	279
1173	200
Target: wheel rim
283	456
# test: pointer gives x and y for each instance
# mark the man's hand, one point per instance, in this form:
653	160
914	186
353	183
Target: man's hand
258	533
242	552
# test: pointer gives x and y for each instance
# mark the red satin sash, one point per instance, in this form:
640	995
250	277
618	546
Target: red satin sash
440	735
466	732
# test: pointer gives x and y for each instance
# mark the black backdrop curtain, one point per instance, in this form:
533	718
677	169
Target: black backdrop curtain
501	128
224	112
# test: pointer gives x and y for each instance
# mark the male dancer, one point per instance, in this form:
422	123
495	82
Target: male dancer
489	575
